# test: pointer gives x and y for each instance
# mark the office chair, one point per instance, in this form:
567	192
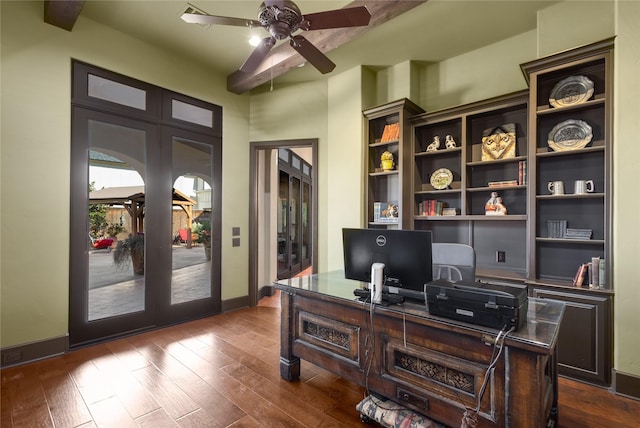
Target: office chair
453	262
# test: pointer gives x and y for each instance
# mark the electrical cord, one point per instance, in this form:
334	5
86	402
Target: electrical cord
470	417
370	348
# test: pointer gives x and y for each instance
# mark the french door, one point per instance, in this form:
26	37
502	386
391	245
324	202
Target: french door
145	163
294	214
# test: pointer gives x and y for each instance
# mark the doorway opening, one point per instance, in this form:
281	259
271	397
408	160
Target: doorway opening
283	231
293	209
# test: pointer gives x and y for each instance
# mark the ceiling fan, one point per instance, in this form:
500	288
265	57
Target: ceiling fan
282	18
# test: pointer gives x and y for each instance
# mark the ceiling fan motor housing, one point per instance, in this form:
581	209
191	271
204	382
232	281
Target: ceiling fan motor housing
280	21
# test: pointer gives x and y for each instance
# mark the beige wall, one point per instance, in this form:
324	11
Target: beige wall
35	146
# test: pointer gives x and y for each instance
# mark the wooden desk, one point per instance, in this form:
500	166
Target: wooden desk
434	365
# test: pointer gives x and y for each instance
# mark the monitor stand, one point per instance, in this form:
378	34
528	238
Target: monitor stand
387	298
377	281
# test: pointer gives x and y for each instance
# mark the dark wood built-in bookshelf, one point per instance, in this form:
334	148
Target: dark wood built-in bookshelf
585	346
516	247
386	129
472	176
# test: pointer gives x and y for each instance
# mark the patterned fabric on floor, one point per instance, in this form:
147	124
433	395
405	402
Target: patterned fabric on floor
393	415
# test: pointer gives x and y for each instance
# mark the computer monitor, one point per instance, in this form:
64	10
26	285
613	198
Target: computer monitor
406	255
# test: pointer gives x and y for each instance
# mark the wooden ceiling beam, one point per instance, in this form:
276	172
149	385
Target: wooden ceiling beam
62	13
284	58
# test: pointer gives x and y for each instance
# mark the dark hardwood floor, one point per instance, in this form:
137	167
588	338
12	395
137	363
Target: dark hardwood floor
218	372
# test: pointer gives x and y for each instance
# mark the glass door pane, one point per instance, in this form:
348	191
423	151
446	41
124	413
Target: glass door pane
306	224
283	225
294	230
115	242
191	221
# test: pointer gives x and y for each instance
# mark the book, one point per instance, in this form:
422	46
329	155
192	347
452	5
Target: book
396	131
602	274
385	212
594	273
450	211
580	279
579	276
503	183
431	207
385	134
577	233
522	172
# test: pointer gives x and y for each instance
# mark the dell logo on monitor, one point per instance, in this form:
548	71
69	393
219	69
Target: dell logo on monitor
381	240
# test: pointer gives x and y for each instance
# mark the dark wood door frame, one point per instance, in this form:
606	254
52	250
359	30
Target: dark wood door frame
157	119
255	148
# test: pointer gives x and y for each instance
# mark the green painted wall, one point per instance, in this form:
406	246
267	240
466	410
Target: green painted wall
626	204
35	61
477	75
343	164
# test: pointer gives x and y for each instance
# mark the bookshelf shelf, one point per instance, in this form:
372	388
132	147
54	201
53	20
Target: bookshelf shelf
472	176
386	129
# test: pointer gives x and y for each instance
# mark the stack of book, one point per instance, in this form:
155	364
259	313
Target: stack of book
556	228
450	211
503	183
578	233
390	132
431	207
591	274
522	172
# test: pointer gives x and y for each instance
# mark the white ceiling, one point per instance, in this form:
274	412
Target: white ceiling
430	32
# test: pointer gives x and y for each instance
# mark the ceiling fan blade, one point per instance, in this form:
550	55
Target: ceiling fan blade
312	54
258	55
349	17
197	18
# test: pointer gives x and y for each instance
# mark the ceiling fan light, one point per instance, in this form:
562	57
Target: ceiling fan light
254	40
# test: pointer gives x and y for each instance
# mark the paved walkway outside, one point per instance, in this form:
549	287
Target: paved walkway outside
115	291
103	272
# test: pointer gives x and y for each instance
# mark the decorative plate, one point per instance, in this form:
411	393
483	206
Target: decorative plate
570	135
570	91
441	178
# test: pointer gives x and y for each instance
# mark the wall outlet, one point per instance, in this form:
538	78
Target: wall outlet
501	257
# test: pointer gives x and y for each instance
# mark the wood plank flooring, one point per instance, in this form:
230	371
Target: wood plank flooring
221	371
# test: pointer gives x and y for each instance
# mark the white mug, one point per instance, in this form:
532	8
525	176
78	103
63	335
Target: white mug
583	186
556	187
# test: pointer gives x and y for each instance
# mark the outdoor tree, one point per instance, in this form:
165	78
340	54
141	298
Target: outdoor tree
97	216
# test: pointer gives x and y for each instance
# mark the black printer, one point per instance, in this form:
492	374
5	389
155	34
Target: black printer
480	303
